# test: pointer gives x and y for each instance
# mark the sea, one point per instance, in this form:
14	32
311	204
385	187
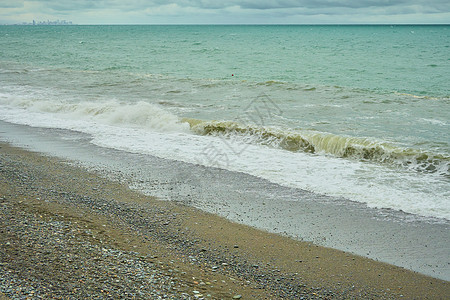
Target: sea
315	132
358	112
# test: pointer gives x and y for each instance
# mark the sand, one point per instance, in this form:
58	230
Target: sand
52	210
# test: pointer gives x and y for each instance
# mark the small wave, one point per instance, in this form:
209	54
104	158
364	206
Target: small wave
118	68
421	96
434	122
310	89
205	50
16	71
271	83
174	92
327	144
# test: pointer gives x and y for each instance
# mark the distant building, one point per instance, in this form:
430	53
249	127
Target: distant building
48	22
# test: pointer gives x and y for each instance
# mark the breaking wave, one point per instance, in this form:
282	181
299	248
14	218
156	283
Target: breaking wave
364	149
139	114
152	117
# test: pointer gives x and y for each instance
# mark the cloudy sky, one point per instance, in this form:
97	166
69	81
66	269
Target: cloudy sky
227	12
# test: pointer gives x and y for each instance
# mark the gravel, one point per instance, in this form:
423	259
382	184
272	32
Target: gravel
69	234
44	258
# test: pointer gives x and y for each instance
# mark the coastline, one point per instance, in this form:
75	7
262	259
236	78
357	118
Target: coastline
394	237
202	247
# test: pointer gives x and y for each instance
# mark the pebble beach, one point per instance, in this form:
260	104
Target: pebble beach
69	233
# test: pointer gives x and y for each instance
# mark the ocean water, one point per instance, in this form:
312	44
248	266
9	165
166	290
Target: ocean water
352	112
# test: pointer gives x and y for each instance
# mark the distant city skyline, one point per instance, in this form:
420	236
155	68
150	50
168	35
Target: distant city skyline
228	11
48	22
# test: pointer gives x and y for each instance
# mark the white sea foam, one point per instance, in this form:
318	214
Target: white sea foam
435	122
377	186
147	129
138	115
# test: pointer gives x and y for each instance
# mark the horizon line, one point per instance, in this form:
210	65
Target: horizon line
229	24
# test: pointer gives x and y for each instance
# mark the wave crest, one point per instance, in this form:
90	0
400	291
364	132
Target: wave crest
326	144
139	114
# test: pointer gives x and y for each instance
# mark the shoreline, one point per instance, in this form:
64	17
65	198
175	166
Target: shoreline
198	244
385	235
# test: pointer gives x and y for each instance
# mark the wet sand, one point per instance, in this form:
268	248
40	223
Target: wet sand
69	210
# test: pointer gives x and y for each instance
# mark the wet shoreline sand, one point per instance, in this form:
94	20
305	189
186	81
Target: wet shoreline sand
196	253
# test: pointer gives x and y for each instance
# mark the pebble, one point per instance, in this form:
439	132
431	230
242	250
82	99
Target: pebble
72	264
83	267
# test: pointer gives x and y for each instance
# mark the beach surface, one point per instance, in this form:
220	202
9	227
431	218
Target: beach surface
67	232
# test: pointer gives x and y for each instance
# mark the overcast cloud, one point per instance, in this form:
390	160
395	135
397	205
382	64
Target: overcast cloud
227	12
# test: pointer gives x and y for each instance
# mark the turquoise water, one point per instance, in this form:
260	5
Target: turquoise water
360	112
410	59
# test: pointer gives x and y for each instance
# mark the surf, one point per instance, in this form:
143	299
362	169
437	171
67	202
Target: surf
322	143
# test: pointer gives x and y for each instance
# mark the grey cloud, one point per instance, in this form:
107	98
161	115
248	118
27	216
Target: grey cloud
67	5
11	3
441	5
310	4
257	7
315	4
